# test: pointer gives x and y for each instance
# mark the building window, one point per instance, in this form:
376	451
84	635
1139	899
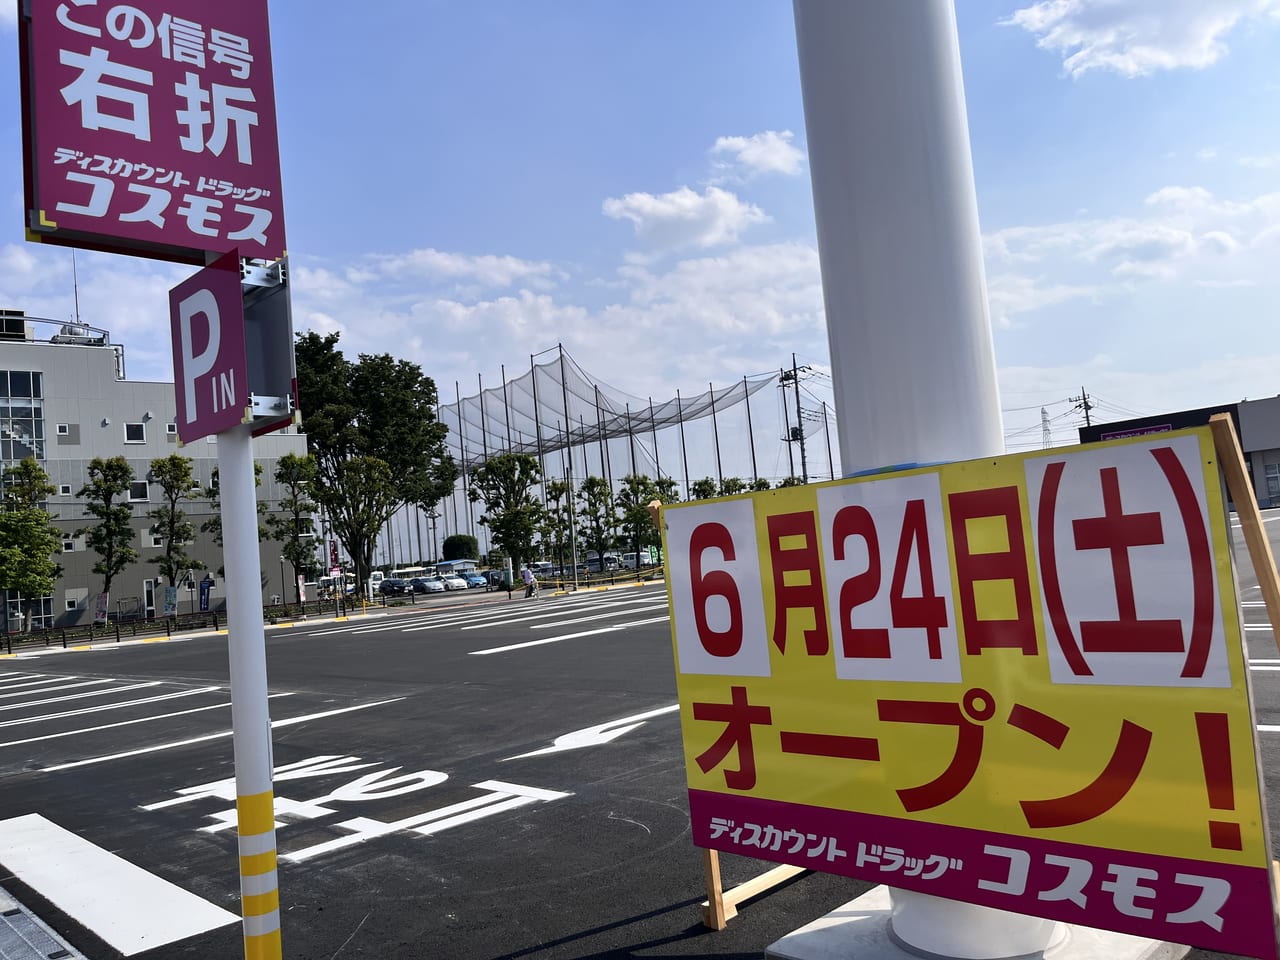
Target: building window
72	603
64	490
40	608
64	429
1273	483
171	429
69	545
21	415
135	433
138	491
157	541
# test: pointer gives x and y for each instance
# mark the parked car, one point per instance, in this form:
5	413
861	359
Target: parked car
393	586
427	585
453	582
475	579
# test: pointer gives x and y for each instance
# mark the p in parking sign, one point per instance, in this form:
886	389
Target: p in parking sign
210	369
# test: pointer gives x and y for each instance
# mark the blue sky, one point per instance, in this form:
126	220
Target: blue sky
469	183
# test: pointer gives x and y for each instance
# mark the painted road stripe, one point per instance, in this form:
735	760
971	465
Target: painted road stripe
129	908
567	636
65	686
515	617
108	706
127	723
22	676
598	616
80	696
215	736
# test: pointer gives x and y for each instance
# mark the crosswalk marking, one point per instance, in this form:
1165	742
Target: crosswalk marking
129	908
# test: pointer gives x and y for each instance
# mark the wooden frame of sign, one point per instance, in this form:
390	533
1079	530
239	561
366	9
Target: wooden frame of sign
721	905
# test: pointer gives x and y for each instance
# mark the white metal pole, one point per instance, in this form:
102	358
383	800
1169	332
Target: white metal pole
250	722
905	293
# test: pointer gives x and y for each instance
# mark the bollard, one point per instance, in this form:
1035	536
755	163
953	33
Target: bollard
64	639
117	633
167	631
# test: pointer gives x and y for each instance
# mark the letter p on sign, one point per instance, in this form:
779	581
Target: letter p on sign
210	372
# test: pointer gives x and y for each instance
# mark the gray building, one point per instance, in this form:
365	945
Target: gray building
1257	425
64	400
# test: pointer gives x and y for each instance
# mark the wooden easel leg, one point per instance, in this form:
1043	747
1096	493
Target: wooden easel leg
713	911
1231	458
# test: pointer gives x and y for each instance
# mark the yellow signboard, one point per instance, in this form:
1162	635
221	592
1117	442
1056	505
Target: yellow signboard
1018	682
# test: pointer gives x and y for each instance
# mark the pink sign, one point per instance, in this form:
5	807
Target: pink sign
151	128
210	370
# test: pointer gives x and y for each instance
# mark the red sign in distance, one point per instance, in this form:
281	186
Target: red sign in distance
210	370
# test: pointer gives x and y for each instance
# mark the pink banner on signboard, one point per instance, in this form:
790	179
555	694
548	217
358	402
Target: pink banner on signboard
151	128
1225	907
210	367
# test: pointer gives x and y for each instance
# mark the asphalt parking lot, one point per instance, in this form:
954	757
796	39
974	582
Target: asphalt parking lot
486	778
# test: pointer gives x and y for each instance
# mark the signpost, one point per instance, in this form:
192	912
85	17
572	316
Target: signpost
149	129
981	681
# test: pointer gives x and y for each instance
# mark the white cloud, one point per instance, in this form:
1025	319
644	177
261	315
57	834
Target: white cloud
684	218
8	15
1137	37
1010	295
1262	162
768	152
487	269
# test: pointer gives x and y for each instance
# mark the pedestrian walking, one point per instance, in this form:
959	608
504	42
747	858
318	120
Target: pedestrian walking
530	582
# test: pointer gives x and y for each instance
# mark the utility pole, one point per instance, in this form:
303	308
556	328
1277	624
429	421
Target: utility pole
796	434
1046	432
1082	403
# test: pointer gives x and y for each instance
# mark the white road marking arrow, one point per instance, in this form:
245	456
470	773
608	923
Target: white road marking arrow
599	734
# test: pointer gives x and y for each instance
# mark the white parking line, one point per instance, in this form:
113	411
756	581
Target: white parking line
597	616
561	612
127	723
80	696
21	676
130	909
65	686
568	636
107	706
292	721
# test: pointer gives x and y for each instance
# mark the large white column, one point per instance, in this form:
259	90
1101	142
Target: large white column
906	299
898	237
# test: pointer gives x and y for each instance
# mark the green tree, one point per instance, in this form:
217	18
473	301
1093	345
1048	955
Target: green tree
212	524
292	524
28	539
703	489
731	486
599	516
377	408
174	476
460	546
791	481
106	497
668	492
633	508
369	499
556	527
504	484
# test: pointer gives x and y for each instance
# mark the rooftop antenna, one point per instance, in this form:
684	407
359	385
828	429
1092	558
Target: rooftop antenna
75	287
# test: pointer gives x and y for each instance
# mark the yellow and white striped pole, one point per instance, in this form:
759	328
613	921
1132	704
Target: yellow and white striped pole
250	722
